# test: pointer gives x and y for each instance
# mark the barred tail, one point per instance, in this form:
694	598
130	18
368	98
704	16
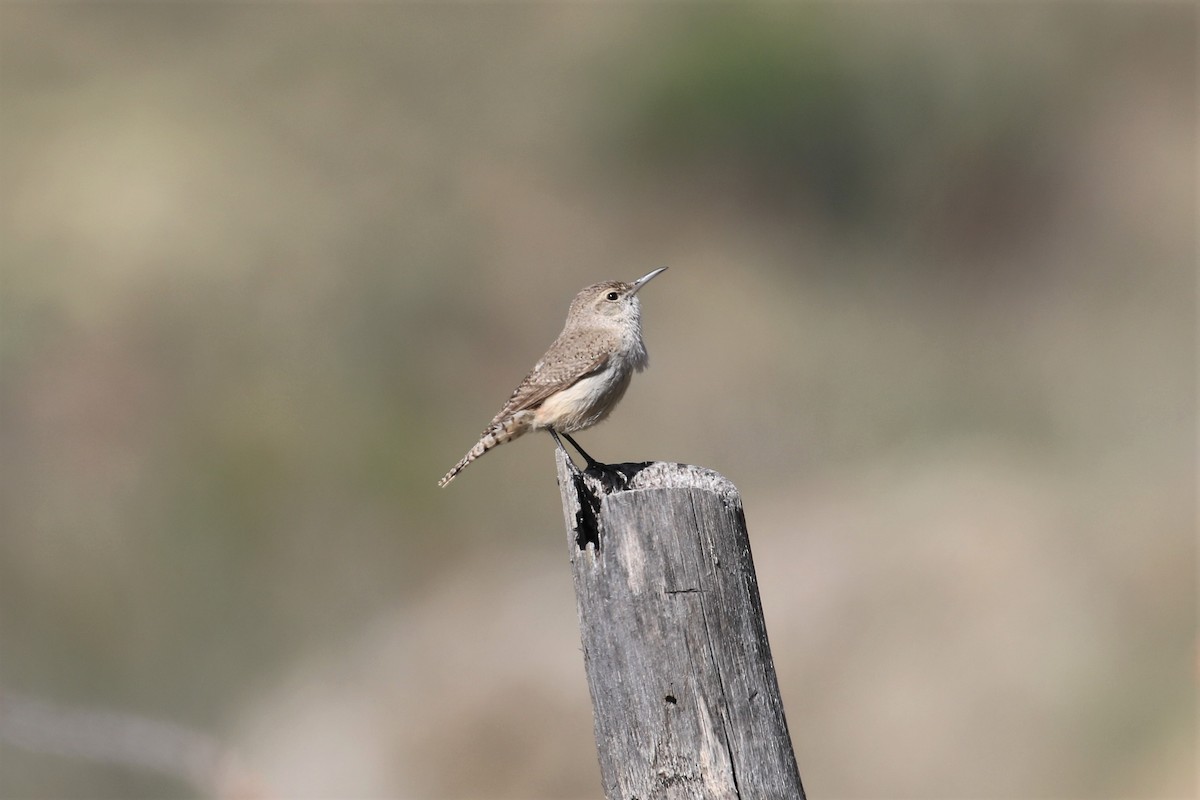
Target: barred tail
497	433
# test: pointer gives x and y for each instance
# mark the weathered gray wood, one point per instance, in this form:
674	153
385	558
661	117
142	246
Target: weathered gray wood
683	687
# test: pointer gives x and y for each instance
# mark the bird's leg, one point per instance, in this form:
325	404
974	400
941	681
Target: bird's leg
614	476
570	461
591	462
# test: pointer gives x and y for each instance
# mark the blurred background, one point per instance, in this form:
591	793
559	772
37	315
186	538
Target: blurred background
267	270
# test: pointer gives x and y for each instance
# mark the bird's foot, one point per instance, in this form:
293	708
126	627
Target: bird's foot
613	478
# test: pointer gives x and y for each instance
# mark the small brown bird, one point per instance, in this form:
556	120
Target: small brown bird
583	375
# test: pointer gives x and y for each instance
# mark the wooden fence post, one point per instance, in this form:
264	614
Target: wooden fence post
683	688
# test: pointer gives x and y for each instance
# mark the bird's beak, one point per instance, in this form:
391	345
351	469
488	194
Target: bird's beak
642	281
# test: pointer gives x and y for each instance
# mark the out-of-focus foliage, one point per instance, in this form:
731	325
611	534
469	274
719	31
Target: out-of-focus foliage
772	107
267	269
802	112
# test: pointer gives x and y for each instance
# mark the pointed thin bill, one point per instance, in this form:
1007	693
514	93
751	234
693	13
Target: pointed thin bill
642	281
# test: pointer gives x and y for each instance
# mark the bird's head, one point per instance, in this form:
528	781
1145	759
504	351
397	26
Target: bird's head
609	303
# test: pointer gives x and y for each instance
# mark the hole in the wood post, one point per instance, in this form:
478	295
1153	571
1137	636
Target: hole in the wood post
587	518
670	699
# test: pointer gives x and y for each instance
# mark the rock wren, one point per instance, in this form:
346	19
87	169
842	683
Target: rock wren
583	375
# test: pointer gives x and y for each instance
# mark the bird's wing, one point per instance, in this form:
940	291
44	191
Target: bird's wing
559	369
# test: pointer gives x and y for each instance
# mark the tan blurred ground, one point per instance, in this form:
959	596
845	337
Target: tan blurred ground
267	270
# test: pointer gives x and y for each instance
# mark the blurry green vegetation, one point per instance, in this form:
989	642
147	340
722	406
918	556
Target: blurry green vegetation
794	115
766	104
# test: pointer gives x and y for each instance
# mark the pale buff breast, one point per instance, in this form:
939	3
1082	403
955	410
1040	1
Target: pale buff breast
585	403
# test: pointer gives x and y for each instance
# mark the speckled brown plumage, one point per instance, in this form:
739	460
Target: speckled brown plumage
583	375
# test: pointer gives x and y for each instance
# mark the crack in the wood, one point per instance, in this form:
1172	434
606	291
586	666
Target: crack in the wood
694	590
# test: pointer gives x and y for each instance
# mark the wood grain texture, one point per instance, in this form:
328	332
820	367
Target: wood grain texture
683	686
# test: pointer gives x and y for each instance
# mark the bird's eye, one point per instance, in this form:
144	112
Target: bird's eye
612	296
